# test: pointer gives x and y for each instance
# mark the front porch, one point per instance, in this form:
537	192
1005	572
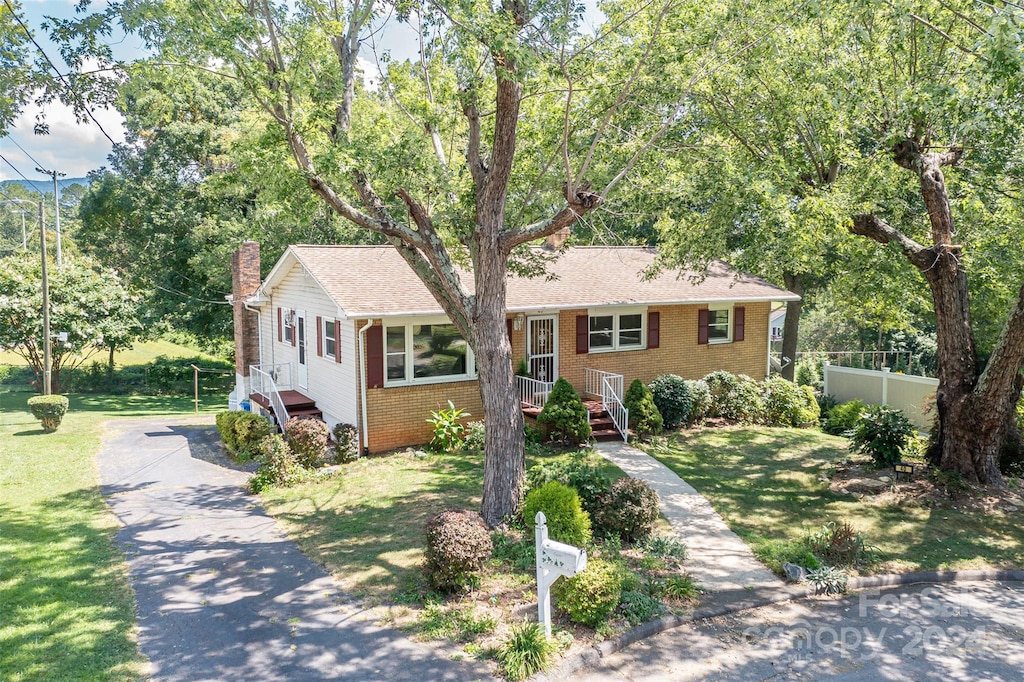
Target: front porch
272	390
602	395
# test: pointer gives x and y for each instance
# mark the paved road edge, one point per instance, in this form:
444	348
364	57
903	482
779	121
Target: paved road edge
734	601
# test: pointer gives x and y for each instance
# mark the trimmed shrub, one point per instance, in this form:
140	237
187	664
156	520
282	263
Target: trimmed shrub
589	481
458	544
719	384
49	410
701	402
278	466
346	446
629	510
566	520
743	402
308	440
844	417
250	430
644	417
526	652
590	596
883	433
671	394
808	374
226	426
786	404
565	414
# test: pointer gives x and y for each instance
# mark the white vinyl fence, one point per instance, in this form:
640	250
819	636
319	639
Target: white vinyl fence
908	393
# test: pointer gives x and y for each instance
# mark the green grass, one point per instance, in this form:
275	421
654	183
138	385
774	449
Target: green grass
367	525
140	353
66	608
765	484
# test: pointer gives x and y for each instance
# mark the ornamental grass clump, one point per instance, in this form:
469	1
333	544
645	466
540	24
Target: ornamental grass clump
589	597
565	415
458	544
49	410
566	519
308	440
526	652
644	417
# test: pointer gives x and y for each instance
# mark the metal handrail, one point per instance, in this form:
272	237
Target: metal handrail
612	403
594	380
268	388
533	392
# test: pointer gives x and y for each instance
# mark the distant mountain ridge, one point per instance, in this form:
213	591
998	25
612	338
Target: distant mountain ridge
45	186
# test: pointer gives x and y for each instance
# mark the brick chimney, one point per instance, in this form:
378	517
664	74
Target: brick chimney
555	240
245	279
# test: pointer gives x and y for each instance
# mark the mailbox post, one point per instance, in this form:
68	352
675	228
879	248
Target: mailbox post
554	559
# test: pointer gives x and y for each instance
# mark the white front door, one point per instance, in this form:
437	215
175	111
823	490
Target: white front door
302	371
542	347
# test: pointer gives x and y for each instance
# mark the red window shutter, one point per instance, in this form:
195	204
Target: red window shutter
702	325
319	336
375	357
653	330
337	340
738	323
582	334
295	327
508	325
280	325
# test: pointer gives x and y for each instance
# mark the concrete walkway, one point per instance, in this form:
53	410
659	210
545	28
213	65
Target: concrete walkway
716	556
221	594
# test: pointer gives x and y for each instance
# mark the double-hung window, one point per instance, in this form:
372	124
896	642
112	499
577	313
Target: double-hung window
719	324
616	329
289	326
426	353
330	342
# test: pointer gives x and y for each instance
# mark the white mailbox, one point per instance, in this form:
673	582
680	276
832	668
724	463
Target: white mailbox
554	559
562	558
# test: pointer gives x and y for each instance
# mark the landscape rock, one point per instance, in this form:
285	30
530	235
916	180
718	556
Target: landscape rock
794	573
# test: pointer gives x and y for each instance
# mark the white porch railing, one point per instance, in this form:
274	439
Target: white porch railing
532	392
268	381
609	387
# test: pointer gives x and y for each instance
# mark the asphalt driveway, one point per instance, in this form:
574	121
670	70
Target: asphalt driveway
221	593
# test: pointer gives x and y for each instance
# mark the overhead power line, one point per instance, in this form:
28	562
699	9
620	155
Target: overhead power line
31	184
24	151
82	103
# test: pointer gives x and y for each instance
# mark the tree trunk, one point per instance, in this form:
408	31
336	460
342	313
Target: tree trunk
972	411
110	359
791	328
504	459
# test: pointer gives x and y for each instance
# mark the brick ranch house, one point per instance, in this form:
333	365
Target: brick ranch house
350	334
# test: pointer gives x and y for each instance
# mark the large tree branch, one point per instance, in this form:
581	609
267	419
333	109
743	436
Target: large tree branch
578	204
1007	358
477	168
871	226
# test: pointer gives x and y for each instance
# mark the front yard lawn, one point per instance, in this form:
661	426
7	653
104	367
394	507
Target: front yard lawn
66	608
769	485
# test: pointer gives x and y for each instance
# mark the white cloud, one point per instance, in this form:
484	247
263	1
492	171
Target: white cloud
71	147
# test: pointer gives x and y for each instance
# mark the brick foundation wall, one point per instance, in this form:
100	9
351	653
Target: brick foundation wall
397	416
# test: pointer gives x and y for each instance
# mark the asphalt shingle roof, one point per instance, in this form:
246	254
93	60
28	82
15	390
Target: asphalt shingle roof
374	281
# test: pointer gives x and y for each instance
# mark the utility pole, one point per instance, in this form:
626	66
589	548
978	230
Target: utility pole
47	358
56	207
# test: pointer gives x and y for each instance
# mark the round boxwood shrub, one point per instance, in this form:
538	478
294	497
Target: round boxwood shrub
700	401
226	426
346	445
566	519
883	433
735	397
644	417
308	440
720	383
49	410
629	510
458	544
591	595
565	415
672	398
250	429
